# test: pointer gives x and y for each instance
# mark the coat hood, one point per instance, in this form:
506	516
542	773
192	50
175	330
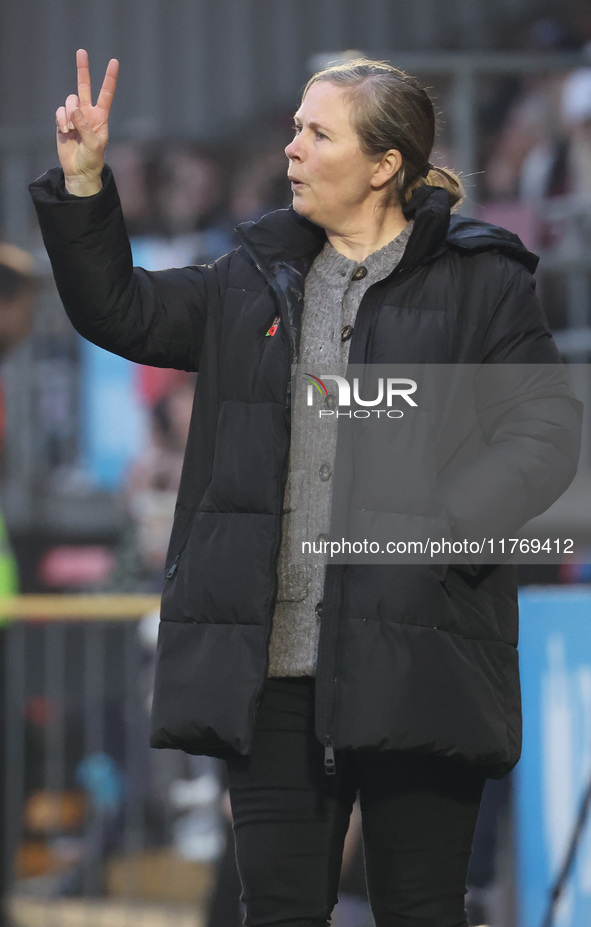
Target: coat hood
472	235
430	206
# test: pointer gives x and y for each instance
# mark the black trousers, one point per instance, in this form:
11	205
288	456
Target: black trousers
290	821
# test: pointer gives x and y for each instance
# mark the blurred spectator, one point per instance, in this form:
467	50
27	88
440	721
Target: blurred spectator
578	18
560	163
549	34
149	493
530	129
260	181
529	125
154	477
158	465
18	289
183	203
544	151
129	162
189	188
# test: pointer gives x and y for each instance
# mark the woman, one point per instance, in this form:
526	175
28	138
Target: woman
397	681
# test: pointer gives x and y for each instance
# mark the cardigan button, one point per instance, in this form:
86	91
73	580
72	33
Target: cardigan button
330	402
346	332
360	273
318	609
322	539
324	472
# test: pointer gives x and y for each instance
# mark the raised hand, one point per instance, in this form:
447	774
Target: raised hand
83	129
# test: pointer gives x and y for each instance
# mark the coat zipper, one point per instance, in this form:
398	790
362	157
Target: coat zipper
175	563
170	573
326	695
329	759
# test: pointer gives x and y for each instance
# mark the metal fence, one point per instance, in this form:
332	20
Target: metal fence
99	829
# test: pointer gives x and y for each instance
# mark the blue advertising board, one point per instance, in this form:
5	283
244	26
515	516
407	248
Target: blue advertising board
555	648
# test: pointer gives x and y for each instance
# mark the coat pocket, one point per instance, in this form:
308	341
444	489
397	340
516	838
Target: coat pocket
225	573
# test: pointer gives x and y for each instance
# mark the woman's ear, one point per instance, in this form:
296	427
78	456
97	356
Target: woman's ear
386	168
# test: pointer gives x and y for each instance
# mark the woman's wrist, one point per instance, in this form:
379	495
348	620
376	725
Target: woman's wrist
83	185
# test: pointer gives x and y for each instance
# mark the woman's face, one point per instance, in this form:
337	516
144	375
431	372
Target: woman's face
331	178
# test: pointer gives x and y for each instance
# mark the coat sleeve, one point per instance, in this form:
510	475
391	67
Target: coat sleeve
530	424
155	318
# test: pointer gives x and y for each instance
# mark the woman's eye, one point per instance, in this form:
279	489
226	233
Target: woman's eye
297	130
320	135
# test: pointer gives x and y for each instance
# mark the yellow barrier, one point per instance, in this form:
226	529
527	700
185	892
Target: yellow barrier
78	607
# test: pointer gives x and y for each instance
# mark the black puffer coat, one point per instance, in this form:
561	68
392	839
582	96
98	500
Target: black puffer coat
406	661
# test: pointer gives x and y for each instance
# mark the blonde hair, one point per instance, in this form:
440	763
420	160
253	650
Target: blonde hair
390	109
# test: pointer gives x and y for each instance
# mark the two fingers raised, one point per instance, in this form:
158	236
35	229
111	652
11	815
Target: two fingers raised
72	116
107	91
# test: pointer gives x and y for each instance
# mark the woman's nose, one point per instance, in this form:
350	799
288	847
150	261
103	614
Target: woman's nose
292	150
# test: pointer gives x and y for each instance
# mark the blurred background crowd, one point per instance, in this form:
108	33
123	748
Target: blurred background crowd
91	446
